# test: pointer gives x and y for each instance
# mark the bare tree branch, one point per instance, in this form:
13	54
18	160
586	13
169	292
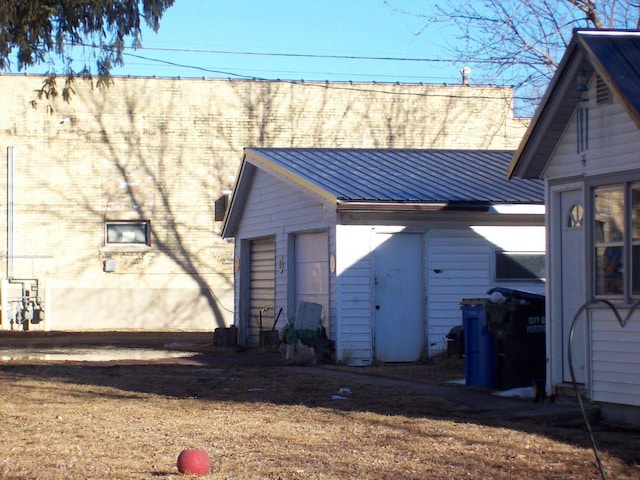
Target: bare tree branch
519	42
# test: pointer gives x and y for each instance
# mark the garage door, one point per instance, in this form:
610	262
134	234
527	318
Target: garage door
262	288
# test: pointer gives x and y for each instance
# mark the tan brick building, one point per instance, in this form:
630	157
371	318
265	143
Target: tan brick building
108	221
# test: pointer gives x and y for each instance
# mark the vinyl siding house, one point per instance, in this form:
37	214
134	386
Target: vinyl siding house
110	221
584	141
387	241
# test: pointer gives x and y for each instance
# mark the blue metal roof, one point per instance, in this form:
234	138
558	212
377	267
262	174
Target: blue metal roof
426	176
618	54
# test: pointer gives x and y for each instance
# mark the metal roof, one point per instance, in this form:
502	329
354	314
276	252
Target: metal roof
612	54
617	59
386	175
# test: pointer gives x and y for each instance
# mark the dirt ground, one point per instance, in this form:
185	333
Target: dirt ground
258	418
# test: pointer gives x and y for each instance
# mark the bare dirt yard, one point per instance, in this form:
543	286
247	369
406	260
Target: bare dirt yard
259	418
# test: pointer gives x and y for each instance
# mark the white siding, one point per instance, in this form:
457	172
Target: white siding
460	265
353	271
614	142
463	255
275	207
616	356
463	258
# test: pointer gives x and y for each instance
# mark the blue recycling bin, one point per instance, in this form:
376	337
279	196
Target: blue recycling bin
479	344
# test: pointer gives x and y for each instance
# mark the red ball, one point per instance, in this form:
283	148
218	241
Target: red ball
194	462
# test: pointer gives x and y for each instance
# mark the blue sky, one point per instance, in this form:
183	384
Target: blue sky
287	39
357	28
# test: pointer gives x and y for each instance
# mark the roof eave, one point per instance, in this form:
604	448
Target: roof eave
558	105
548	122
619	93
418	207
238	199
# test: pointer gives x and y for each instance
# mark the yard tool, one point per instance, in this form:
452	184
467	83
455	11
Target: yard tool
276	320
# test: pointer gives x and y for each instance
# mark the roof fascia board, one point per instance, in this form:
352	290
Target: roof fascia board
238	199
409	207
508	209
258	160
545	114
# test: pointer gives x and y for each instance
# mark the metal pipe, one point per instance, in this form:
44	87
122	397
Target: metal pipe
10	212
10	240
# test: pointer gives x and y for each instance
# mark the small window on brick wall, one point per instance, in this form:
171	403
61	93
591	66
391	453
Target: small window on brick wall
127	233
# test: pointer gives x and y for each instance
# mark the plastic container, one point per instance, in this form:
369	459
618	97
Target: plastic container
479	344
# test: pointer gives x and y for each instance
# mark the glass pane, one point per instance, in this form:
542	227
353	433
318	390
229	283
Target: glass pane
609	215
576	214
609	270
635	212
127	233
519	266
635	269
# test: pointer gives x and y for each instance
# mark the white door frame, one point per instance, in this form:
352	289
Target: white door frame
567	287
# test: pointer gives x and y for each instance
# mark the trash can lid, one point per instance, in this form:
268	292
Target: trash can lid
511	294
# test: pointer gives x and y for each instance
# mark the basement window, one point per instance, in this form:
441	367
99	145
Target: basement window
127	233
519	266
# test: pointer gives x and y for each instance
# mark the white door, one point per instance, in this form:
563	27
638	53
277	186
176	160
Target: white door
398	327
573	284
312	271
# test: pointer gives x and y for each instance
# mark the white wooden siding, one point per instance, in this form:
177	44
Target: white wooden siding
614	143
463	255
460	265
353	272
615	358
609	125
275	207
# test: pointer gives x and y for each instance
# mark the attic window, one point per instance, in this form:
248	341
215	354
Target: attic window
603	93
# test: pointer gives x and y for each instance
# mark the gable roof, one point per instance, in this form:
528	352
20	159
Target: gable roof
388	178
612	54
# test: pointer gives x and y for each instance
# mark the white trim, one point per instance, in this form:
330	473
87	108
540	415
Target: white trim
518	209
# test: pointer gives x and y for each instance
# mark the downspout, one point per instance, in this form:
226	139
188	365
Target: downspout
10	173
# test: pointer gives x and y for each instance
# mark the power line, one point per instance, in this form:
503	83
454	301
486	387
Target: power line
326	84
297	55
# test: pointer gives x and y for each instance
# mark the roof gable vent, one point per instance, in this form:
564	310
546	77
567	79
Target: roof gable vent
603	93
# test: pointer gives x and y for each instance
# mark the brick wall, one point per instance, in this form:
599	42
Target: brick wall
163	150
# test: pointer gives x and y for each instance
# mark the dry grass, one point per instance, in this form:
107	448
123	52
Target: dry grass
105	421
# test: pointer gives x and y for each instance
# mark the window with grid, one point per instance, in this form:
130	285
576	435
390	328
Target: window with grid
617	241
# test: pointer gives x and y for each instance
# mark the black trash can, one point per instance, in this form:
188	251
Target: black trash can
518	326
455	342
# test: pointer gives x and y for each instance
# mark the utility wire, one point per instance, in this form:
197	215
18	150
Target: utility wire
334	57
336	86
